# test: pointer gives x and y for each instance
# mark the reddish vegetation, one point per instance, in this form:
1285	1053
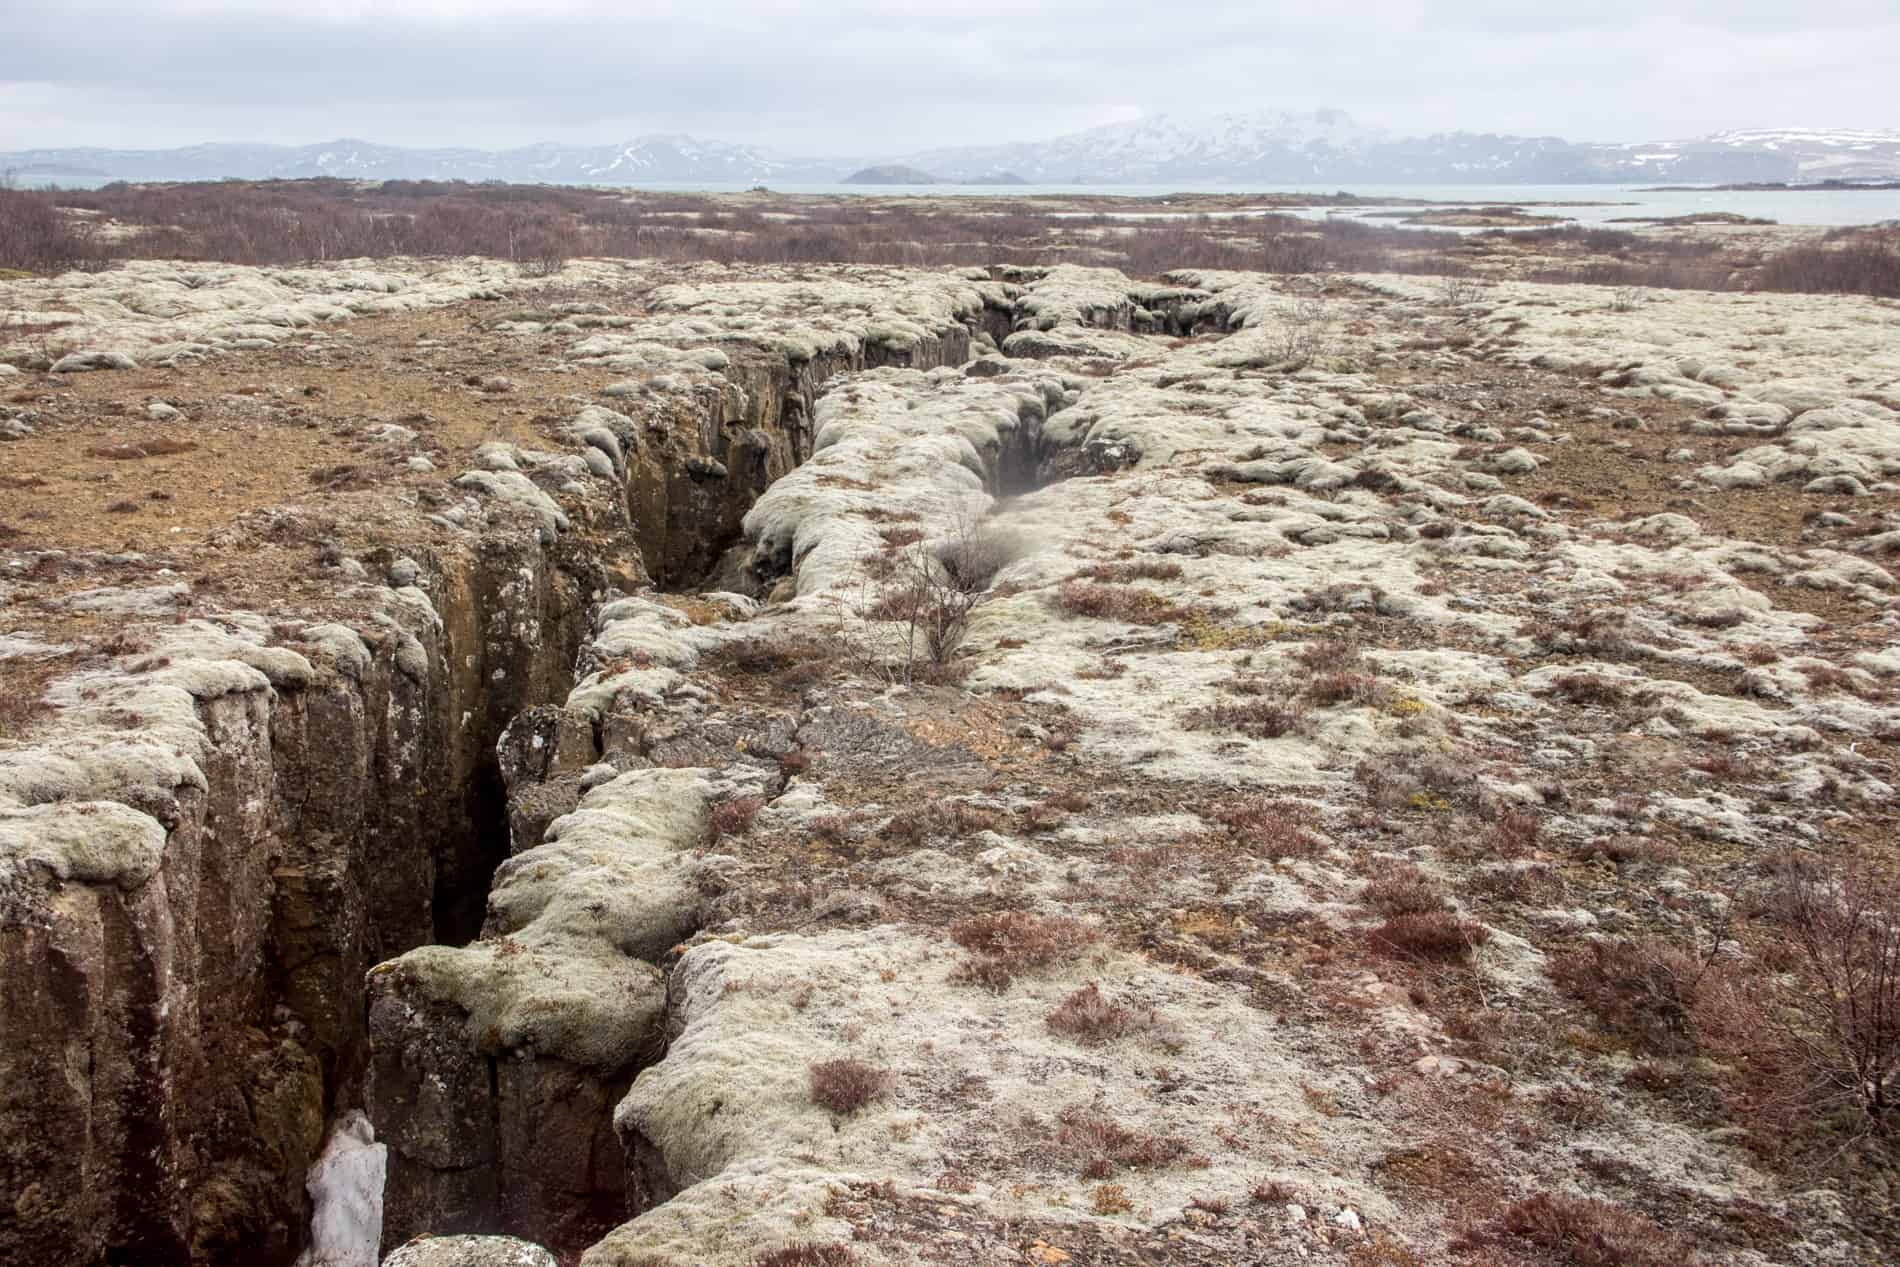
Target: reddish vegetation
1089	1016
734	817
1016	941
801	1254
541	227
1430	935
1583	1232
1102	1145
847	1084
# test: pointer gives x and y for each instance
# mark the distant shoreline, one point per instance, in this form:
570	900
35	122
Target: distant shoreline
1780	187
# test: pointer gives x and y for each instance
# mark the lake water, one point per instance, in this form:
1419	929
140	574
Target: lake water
1832	208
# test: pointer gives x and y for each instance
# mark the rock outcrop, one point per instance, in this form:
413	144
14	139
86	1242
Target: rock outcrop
908	766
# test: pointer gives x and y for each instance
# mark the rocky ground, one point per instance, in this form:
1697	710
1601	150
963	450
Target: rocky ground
846	764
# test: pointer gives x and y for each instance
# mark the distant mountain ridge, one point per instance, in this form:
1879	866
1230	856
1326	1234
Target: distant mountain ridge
1313	147
647	159
1328	145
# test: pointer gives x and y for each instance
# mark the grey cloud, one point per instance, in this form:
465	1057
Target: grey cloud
852	76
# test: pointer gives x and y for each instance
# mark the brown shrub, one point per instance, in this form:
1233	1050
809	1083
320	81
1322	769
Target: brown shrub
1136	570
1434	1166
734	817
790	661
1331	655
1088	1135
1513	834
1641	988
847	1084
1272	828
1274	1192
1624	849
1257	718
1418	781
1089	1016
1009	942
1590	688
1339	687
1126	603
937	818
1585	1232
160	446
805	1254
898	536
1434	935
1111	1198
1405	891
1532	883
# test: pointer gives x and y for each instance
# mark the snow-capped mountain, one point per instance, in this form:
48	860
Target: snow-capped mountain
1259	149
1160	148
1817	153
644	160
1327	145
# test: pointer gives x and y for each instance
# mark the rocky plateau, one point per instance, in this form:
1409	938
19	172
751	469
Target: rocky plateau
654	764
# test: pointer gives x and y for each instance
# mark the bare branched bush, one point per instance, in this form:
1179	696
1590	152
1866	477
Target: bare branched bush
1456	290
933	590
1300	335
1843	1024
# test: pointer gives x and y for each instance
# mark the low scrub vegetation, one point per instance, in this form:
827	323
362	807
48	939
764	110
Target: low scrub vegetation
541	227
1011	942
1099	1145
1089	1016
1431	935
847	1084
1583	1232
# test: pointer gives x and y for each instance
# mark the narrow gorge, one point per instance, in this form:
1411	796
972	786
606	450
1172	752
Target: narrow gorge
560	721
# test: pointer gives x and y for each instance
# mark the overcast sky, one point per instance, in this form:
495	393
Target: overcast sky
852	77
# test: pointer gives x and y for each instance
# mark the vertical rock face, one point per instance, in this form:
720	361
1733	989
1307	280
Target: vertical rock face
177	1033
218	844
